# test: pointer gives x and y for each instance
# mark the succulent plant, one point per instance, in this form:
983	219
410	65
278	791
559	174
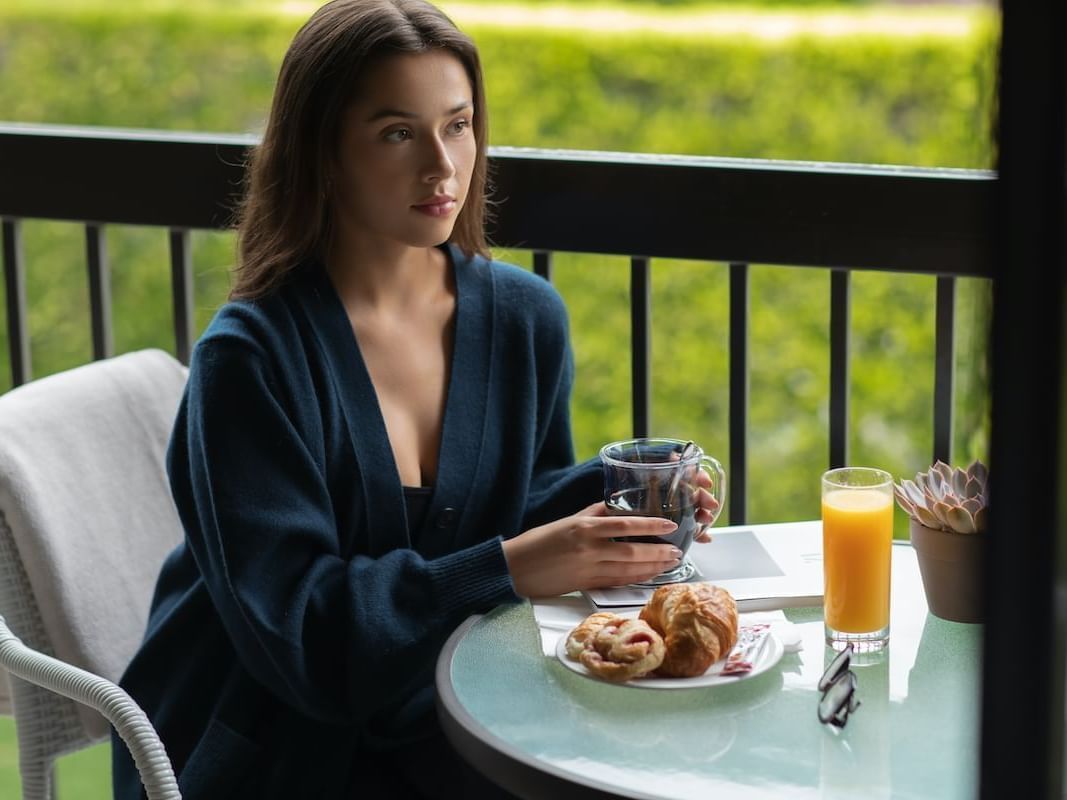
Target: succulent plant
947	499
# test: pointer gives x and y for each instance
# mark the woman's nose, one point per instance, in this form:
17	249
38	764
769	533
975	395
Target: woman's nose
439	164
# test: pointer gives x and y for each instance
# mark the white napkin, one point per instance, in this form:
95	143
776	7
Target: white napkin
784	630
558	616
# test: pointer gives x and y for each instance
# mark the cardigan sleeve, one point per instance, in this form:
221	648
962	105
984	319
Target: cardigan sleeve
340	639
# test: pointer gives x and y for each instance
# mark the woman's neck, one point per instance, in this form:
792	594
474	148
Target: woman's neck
387	278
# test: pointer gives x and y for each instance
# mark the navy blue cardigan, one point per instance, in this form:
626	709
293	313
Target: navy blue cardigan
293	633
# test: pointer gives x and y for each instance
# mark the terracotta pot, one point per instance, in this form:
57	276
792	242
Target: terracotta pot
951	567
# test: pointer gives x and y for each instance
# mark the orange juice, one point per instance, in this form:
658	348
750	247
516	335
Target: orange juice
857	537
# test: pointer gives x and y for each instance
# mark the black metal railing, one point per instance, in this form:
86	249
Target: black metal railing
839	217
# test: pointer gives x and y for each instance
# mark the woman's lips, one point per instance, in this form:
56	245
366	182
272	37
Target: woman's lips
437	208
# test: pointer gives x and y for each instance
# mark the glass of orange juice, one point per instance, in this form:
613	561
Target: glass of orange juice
857	540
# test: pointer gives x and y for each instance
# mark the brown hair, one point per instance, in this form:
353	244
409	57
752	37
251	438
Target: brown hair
286	214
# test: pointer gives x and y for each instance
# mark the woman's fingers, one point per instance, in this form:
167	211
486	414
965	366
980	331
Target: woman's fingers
597	509
706	515
609	527
621	573
707	512
615	562
706	504
638	552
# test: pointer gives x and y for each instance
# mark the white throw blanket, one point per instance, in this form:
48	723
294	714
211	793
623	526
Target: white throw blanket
84	492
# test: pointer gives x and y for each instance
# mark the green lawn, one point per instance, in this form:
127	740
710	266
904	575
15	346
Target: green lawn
81	776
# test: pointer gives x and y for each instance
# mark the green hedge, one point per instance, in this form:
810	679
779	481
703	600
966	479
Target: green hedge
873	99
910	100
914	100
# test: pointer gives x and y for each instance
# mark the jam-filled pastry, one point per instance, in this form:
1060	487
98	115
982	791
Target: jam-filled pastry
581	638
621	652
698	623
614	647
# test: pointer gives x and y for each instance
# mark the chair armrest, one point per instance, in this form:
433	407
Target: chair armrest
129	721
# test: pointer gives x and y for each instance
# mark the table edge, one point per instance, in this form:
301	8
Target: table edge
495	758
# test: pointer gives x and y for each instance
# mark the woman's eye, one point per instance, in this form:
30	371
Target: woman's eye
399	135
459	126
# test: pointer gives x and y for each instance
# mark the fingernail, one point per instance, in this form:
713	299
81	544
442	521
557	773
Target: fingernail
676	554
668	525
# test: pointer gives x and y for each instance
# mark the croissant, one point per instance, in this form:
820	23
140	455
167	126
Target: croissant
698	622
615	648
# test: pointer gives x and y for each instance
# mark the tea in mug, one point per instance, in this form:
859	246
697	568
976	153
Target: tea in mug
645	502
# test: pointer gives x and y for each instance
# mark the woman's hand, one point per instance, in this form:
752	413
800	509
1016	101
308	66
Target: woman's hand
577	552
707	506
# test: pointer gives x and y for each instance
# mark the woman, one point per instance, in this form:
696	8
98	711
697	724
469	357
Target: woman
374	442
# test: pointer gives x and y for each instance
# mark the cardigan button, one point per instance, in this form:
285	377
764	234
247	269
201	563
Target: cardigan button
447	518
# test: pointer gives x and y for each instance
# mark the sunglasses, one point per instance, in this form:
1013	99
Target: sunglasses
838	686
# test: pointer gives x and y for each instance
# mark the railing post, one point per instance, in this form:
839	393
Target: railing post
99	291
840	315
181	274
641	343
542	264
739	385
945	368
18	337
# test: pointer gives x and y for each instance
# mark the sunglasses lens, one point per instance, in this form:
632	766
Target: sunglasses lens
836	668
838	701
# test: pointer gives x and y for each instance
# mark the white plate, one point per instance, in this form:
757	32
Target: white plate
770	655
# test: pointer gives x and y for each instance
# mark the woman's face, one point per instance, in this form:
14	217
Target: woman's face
406	151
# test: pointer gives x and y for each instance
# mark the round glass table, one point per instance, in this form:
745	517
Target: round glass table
542	731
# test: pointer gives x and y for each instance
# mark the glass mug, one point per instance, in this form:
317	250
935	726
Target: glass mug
658	478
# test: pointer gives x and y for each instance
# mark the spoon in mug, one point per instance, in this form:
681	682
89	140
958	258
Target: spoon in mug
677	475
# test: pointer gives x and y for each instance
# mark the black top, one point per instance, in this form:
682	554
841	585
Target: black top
417	503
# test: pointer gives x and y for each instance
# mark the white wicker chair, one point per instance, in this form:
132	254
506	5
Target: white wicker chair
86	519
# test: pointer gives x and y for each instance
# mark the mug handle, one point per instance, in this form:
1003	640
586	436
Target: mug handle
713	468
